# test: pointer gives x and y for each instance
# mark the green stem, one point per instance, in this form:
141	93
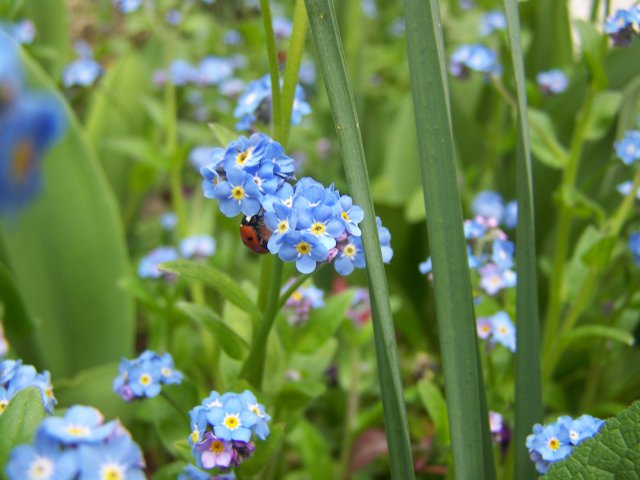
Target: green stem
253	368
351	416
556	287
274	70
595	6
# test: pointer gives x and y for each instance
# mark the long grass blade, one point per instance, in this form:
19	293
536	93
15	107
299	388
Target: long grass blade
452	283
528	383
322	20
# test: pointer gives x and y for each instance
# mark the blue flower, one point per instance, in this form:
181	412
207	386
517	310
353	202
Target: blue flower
634	247
200	246
148	266
385	241
232	421
143	376
43	460
261	427
182	73
474	57
127	6
80	424
307	73
15	377
493	278
623	26
350	256
322	222
488	204
309	193
552	82
491	22
82	72
502	253
215	70
301	302
174	17
22	32
238	194
628	149
624	188
212	452
351	215
10	72
280	220
503	331
202	156
304	248
484	328
168	220
551	442
426	266
369	8
510	218
581	428
474	228
282	27
118	458
246	153
232	37
27	129
198	421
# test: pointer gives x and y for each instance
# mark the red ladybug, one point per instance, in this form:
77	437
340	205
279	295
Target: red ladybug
255	234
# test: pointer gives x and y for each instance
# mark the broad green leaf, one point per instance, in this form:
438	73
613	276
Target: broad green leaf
222	134
215	279
544	144
263	452
19	421
323	322
232	344
436	407
599	254
613	453
586	332
313	449
66	251
605	107
552	44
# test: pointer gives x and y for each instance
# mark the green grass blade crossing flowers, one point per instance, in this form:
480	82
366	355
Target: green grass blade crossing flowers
452	283
322	20
528	403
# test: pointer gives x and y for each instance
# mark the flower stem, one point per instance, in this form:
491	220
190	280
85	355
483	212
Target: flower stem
274	70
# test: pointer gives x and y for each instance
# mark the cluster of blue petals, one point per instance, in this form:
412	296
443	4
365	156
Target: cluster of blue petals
84	71
192	247
628	149
474	57
78	446
22	32
254	104
551	443
307	223
492	21
14	377
144	376
623	26
552	82
223	428
30	122
302	301
210	71
498	329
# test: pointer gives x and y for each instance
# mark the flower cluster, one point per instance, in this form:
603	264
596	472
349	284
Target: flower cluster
30	122
623	26
14	376
194	246
474	57
84	71
551	443
628	149
306	223
144	376
492	21
77	446
222	428
254	104
498	328
552	82
22	32
301	302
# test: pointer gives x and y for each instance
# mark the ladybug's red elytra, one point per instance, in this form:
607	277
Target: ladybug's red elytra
255	234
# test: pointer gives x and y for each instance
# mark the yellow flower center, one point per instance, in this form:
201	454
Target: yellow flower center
237	193
217	446
350	250
485	329
77	430
22	155
502	329
553	444
166	371
195	436
318	228
242	157
145	379
303	248
345	215
255	409
111	472
297	296
49	392
41	469
3	406
231	421
283	226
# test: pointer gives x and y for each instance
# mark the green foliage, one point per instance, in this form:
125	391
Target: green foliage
19	421
263	453
614	453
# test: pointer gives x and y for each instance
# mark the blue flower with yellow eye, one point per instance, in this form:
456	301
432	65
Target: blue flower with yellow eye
80	424
304	248
623	26
246	153
31	124
43	459
350	215
120	458
322	222
238	194
350	256
233	420
281	220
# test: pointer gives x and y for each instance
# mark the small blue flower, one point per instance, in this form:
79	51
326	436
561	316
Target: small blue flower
488	204
233	420
510	218
127	6
492	21
307	73
302	301
80	424
10	72
281	220
200	246
369	8
174	17
182	73
551	442
634	247
14	377
168	220
282	27
261	427
398	27
202	156
322	222
148	266
350	256
246	153
82	72
232	37
502	253
304	248
144	376
385	241
238	194
503	331
425	267
624	188
474	228
212	452
198	421
628	149
474	57
215	70
43	460
623	26
484	328
22	32
581	428
552	82
493	278
351	215
118	458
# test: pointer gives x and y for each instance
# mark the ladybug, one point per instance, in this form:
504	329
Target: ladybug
255	234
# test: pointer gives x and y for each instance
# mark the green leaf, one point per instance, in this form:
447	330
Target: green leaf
294	395
544	144
19	421
66	251
17	322
222	134
599	254
215	279
613	453
330	54
232	344
436	407
313	449
323	322
263	452
605	107
585	332
594	49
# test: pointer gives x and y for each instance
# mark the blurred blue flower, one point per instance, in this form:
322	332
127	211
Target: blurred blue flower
215	70
581	428
484	328
148	266
199	246
144	376
492	21
174	17
80	424
628	149
474	57
14	377
302	301
425	267
282	27
168	220
369	8
502	253
624	188
43	460
552	82
307	73
127	6
82	72
623	26
10	72
398	27
488	204
634	247
213	452
510	218
232	37
385	241
22	32
503	331
182	73
120	458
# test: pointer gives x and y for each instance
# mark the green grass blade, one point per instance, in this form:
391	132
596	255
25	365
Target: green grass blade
323	24
454	304
528	383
